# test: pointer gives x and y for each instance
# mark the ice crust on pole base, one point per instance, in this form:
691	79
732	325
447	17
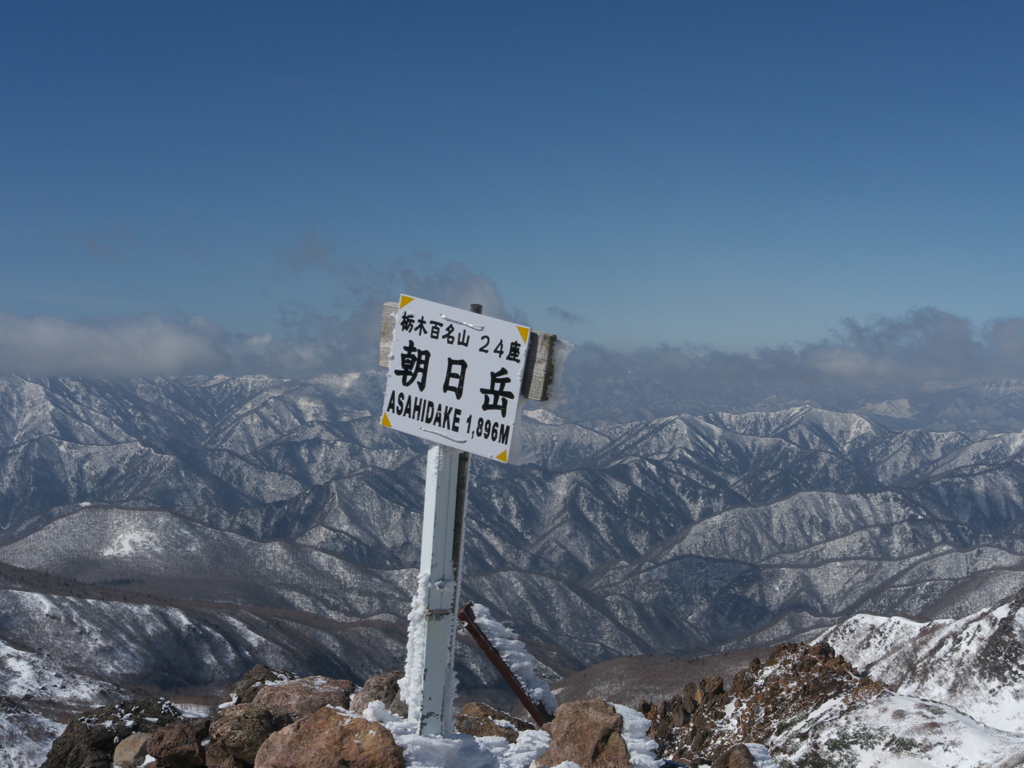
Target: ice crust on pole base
513	652
432	620
411	685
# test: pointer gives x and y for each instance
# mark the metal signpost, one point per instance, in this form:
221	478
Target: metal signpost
458	379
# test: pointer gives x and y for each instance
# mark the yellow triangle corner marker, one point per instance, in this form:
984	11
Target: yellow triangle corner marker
524	332
503	456
404	301
385	420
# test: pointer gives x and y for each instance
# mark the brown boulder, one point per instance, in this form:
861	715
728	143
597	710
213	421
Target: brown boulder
179	744
588	733
743	681
236	736
867	689
131	752
331	739
245	688
89	740
80	746
477	719
218	757
711	686
305	695
382	688
737	757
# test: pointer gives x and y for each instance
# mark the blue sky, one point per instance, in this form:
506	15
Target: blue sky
732	175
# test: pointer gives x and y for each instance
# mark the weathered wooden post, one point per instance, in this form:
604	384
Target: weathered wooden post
458	379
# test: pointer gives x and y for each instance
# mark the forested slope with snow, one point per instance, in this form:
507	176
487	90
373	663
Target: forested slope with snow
266	517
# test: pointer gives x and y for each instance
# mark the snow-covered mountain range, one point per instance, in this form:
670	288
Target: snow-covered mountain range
171	532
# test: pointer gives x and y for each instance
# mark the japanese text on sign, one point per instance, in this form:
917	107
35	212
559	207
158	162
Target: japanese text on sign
455	377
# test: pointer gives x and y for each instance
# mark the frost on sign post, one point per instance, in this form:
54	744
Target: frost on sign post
455	377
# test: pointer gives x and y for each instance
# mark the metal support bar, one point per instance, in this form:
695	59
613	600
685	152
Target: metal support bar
429	687
430	662
536	709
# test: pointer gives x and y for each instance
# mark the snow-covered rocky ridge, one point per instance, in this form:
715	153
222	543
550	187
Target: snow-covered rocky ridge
809	707
975	663
25	736
31	682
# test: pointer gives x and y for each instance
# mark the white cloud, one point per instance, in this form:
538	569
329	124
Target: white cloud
148	345
312	342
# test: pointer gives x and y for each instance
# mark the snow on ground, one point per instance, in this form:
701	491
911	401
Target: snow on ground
462	751
974	664
458	750
634	732
32	674
864	639
27	678
25	737
130	542
762	757
895	731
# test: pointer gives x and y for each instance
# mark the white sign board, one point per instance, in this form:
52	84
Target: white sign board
455	377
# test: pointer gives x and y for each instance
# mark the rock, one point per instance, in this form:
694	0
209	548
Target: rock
237	735
81	747
711	686
305	695
331	739
680	708
132	751
179	744
867	689
691	694
477	719
737	757
382	688
588	733
796	679
218	757
89	740
743	681
246	688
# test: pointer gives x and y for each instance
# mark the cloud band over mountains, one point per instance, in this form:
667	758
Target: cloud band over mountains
923	345
312	342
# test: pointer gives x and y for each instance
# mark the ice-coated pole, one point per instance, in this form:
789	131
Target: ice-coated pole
429	685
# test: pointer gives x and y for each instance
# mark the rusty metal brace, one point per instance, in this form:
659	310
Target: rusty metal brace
535	708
